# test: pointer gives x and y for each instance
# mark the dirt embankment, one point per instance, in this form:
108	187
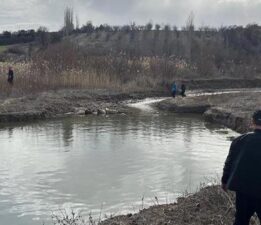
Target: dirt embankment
230	109
55	103
65	102
233	110
209	206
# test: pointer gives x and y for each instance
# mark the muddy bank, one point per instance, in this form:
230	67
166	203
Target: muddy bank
239	122
66	102
210	205
70	102
233	110
230	109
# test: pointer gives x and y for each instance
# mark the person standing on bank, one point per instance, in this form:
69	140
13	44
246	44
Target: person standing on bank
242	173
174	90
10	78
183	90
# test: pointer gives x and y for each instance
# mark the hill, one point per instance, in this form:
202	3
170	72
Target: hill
137	57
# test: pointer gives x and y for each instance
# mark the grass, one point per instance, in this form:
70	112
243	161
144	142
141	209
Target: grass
210	205
30	80
61	68
3	48
66	65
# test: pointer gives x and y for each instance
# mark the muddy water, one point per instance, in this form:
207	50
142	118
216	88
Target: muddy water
104	165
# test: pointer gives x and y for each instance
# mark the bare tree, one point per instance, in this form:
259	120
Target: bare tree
77	23
68	21
190	32
43	36
190	22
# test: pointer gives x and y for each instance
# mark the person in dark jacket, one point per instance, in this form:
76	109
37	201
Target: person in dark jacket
10	77
242	173
183	90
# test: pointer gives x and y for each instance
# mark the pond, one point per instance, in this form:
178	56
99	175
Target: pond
105	164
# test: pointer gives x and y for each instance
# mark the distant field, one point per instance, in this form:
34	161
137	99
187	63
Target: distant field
11	47
3	48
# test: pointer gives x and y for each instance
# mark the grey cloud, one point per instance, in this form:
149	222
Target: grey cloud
16	13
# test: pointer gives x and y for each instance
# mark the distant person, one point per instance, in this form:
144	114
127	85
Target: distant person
242	173
174	90
183	90
10	78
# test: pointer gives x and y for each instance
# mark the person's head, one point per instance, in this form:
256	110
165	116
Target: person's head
256	118
10	68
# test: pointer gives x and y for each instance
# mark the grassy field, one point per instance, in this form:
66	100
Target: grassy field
3	48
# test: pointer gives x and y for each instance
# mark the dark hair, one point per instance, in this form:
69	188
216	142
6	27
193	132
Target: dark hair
257	117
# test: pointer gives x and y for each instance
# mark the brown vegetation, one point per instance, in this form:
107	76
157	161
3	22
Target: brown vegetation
133	57
210	205
64	65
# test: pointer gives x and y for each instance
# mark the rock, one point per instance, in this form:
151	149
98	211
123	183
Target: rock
88	112
69	113
80	111
101	111
111	111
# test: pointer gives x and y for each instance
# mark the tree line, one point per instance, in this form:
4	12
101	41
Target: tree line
225	50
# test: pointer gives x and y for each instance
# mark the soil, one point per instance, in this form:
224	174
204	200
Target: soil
66	102
209	206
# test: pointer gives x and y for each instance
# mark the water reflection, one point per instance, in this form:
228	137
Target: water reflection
83	162
10	132
67	128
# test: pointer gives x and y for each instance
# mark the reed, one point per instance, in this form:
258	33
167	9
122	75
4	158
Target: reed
65	65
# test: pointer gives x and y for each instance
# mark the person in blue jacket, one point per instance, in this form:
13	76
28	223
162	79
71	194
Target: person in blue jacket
174	90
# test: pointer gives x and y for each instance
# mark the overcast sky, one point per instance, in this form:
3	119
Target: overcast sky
26	14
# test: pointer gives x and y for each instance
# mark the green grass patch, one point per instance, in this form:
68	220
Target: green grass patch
3	48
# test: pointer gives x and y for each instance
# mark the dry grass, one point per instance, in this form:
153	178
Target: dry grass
210	205
64	65
30	80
